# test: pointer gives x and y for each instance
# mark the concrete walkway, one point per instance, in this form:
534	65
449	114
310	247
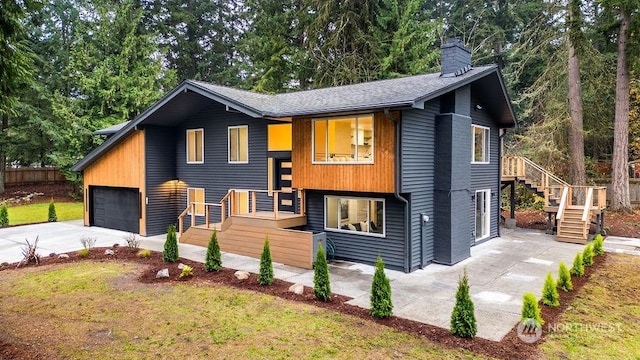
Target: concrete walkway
500	271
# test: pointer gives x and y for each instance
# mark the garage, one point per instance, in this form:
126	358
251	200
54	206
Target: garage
115	208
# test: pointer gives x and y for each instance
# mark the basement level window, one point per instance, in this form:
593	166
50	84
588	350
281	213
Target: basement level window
195	146
480	144
347	140
364	216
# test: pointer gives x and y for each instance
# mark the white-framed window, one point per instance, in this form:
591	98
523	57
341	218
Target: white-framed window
364	216
196	195
483	214
480	144
238	144
195	146
347	140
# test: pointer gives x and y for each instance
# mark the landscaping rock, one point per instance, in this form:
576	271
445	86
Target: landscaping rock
63	256
241	275
109	252
297	289
164	273
52	254
180	266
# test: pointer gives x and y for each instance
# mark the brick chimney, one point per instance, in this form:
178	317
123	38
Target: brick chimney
455	58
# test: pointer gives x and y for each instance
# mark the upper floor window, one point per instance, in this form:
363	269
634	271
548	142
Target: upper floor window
239	144
343	140
480	144
195	146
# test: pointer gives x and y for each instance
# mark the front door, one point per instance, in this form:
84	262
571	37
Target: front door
283	183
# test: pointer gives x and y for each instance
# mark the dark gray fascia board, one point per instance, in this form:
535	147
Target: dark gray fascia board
254	113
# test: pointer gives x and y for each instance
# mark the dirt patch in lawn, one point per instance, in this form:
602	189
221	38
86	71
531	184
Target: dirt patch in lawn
615	223
509	348
35	194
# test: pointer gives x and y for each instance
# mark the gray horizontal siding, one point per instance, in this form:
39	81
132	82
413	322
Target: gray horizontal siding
418	166
361	248
160	167
486	176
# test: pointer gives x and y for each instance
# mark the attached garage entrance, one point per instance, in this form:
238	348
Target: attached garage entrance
115	208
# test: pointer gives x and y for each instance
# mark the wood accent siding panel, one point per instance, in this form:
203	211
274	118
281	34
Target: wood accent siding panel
362	248
376	177
216	175
162	189
122	166
486	176
418	168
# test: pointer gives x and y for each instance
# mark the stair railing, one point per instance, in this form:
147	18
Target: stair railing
521	167
587	204
191	210
563	203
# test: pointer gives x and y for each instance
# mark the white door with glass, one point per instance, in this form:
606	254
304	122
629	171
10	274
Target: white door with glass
483	214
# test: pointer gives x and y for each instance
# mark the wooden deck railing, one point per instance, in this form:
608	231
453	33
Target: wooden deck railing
534	174
229	204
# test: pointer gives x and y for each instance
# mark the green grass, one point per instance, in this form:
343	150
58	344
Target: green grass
34	213
604	319
68	309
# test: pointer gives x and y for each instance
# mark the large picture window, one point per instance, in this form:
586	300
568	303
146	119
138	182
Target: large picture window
239	144
343	140
357	215
196	195
195	146
480	148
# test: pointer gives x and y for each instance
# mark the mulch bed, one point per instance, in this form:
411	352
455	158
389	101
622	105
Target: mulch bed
509	348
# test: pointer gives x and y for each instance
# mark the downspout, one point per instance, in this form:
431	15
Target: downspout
500	139
396	190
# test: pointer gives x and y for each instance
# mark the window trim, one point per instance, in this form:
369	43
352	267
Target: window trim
486	149
189	201
229	128
187	145
487	224
326	146
356	232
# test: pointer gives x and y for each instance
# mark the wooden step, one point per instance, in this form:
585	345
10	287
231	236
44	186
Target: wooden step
571	239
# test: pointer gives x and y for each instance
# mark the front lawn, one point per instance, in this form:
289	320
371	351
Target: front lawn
603	321
98	310
36	213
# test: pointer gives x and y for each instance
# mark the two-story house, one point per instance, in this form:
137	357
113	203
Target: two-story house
406	168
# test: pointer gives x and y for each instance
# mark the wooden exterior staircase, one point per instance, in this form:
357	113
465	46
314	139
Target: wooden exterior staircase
244	234
574	208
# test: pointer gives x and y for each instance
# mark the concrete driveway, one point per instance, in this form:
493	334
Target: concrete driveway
500	271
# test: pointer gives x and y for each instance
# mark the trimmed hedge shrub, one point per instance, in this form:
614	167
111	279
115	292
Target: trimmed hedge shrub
598	245
564	278
213	260
170	253
381	305
530	309
321	283
266	265
550	295
463	318
578	267
4	215
52	211
587	255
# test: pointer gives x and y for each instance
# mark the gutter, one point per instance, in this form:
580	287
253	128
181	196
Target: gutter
396	190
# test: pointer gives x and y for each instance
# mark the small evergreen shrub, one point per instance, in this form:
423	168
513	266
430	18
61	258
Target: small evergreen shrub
530	309
463	318
186	271
52	211
550	295
598	245
144	253
564	278
578	267
321	283
213	259
265	277
4	215
170	253
381	305
587	255
83	253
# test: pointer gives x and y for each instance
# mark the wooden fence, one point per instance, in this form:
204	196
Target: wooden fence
23	176
634	191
